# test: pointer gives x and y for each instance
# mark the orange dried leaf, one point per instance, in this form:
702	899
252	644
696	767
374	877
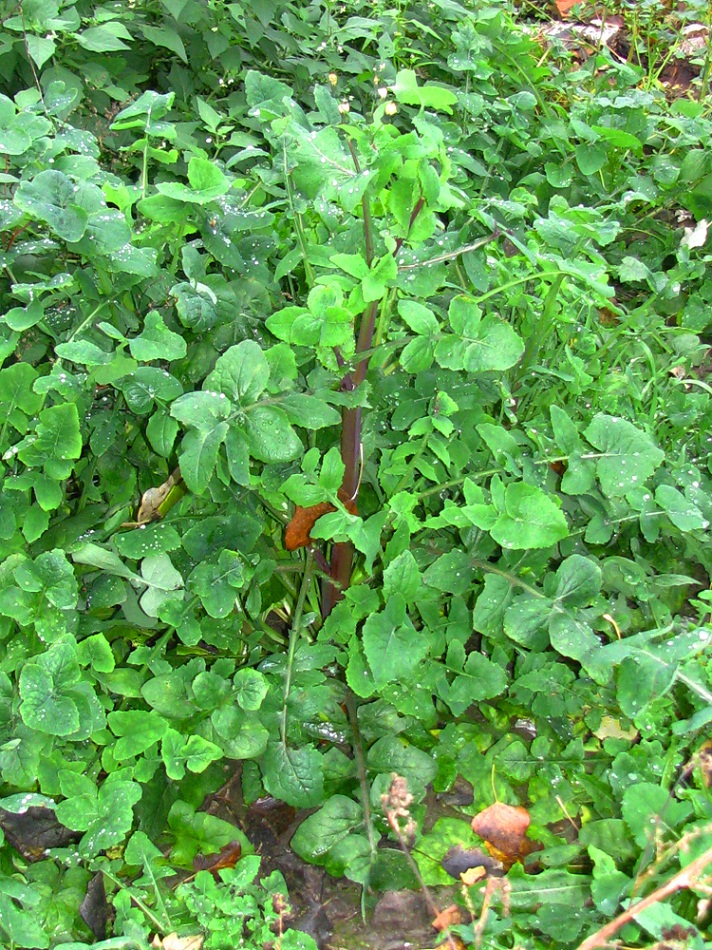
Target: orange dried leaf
447	918
504	828
297	534
563	6
473	876
227	857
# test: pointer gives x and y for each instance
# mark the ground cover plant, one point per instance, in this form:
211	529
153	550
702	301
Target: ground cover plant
355	422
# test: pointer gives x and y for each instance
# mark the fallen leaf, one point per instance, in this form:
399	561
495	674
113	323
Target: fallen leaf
459	861
503	828
174	942
473	876
227	857
563	6
153	498
447	918
297	532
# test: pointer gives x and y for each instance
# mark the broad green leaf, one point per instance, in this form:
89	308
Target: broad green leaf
241	734
418	317
578	581
251	687
530	520
452	572
17	398
57	437
479	679
199	455
166	37
206	180
241	373
428	96
402	577
392	645
95	652
321	831
683	513
194	753
50	197
157	342
52	575
104	38
627	456
379	278
571	636
270	436
293	775
145	385
309	412
391	754
137	730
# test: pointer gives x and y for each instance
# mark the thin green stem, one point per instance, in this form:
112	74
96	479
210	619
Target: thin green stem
294	633
352	713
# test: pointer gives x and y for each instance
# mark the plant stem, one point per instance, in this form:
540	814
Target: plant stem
294	632
352	713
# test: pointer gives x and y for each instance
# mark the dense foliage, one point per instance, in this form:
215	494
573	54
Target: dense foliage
418	266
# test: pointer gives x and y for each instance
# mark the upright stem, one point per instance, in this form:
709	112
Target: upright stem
351	446
294	633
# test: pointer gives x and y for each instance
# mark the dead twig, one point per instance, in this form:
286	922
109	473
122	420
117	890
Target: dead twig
687	877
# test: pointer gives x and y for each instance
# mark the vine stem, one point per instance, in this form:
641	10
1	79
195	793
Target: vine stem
294	632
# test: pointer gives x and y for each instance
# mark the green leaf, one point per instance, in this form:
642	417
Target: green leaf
104	38
194	753
50	197
392	645
309	412
644	804
390	754
95	652
479	679
578	581
418	317
199	455
57	437
381	276
270	436
402	577
251	687
628	456
137	730
157	342
293	775
429	96
320	832
530	520
683	513
217	584
242	373
49	703
452	572
207	183
165	37
573	637
241	734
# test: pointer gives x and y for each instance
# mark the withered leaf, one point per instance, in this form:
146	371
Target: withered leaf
503	829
